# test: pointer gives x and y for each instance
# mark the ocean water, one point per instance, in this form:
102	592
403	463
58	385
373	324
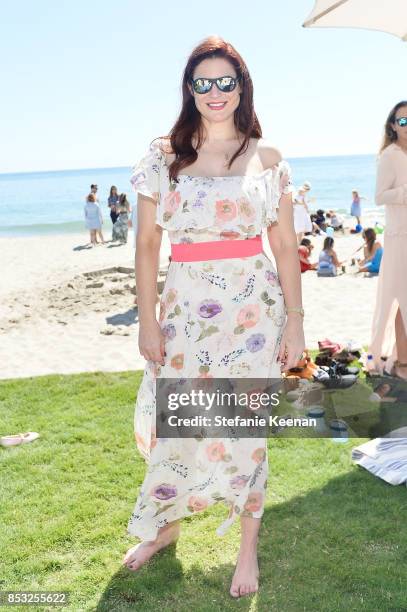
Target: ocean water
52	202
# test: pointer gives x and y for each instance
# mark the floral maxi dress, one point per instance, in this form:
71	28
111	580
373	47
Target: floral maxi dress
221	318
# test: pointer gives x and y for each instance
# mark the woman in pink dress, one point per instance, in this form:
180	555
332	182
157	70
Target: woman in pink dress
389	339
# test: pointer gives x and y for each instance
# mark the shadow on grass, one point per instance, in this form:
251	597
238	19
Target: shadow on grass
339	547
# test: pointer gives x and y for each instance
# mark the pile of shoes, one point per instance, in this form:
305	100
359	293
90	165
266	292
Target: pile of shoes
331	351
334	360
331	366
304	368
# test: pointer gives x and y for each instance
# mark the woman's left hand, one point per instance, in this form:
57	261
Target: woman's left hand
292	343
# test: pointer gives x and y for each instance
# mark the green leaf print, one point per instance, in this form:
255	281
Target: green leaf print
185	207
163	509
268	300
258	264
239	329
175	312
203	369
227	458
167	216
231	470
217	496
205	333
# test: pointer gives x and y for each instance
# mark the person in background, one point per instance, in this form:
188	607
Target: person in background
112	201
94	190
372	251
336	221
304	252
357	229
120	228
356	207
320	219
93	219
302	219
315	227
328	260
132	222
389	328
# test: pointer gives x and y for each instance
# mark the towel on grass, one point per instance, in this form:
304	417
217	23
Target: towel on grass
385	457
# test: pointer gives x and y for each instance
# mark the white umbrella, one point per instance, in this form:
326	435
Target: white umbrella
384	15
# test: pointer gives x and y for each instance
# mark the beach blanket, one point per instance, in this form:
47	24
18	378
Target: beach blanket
385	458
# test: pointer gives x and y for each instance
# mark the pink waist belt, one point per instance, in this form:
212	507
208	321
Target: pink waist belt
217	249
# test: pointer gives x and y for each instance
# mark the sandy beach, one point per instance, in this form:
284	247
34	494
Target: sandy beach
67	308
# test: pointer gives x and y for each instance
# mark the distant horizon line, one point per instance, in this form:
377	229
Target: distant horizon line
89	169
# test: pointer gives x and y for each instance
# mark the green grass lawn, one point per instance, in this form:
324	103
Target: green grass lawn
333	536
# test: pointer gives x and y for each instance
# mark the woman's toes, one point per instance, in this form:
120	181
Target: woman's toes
234	591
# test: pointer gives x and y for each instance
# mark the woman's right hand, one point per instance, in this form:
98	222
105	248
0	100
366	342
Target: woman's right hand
151	342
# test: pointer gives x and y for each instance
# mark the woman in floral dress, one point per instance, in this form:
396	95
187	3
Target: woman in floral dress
121	228
213	179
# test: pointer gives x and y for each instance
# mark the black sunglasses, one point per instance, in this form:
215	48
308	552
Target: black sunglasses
225	84
402	121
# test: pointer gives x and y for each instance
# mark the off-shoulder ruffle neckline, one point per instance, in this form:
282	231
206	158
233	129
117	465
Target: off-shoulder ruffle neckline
231	176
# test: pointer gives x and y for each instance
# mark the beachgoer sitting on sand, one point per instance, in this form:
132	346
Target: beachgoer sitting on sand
357	229
315	228
320	219
335	220
93	219
304	252
328	259
120	228
373	252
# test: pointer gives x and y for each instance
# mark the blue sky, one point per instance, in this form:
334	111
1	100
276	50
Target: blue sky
90	83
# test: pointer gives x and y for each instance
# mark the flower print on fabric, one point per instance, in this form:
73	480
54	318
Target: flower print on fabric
237	205
219	319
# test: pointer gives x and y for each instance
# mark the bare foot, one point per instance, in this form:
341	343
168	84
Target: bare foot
139	554
246	577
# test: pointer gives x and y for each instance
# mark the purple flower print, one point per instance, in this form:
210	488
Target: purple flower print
271	277
209	308
255	342
239	482
169	331
164	491
197	204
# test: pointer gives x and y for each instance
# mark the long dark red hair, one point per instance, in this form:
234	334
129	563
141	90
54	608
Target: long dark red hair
189	122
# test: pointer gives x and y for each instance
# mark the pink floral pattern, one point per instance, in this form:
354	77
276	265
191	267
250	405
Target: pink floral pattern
219	318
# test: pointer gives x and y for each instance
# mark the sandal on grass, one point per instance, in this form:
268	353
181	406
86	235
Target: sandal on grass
21	438
398	364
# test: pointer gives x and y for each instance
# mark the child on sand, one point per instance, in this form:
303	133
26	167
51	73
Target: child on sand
356	209
304	252
93	219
